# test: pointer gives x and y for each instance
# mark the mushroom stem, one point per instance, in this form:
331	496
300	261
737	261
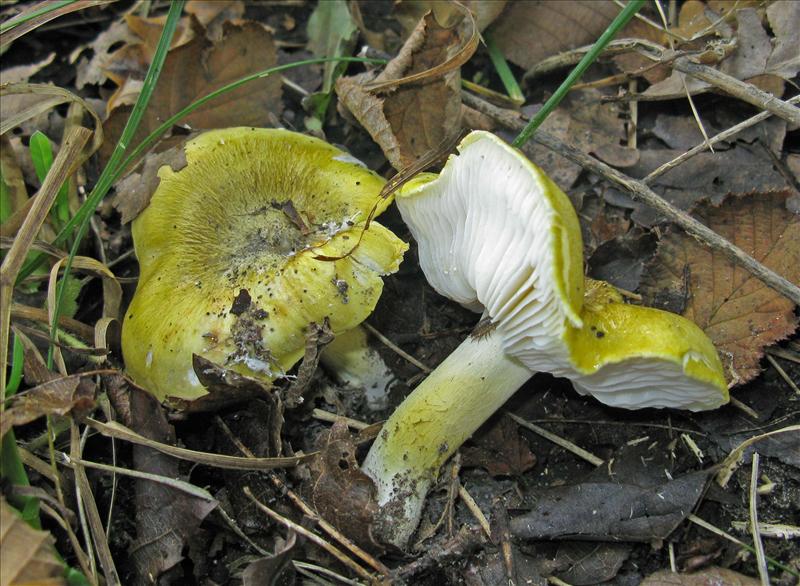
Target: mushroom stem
432	423
355	363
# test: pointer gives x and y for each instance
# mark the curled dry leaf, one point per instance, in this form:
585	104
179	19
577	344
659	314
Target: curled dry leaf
341	492
58	396
409	12
419	115
527	32
27	556
738	312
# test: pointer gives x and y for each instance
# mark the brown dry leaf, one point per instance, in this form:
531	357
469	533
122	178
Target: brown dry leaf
740	314
25	72
528	32
756	57
581	120
501	450
138	36
213	14
166	518
27	556
413	119
200	67
708	577
55	397
340	491
135	190
409	12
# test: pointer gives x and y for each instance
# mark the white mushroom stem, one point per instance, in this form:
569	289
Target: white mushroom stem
355	363
432	423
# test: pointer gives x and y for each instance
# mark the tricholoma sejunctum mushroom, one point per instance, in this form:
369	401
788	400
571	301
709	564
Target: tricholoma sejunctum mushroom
498	236
230	249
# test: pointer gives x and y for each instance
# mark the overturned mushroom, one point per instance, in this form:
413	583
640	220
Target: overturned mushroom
496	235
235	255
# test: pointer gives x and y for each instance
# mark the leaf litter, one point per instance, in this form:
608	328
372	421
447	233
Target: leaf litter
741	191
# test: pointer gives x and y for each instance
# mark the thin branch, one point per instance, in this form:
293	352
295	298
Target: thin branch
746	92
514	121
724	135
311	536
758	545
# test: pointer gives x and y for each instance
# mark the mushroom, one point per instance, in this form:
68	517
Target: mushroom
235	252
358	365
498	236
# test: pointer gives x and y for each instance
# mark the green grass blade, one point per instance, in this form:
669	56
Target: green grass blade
620	21
55	5
17	362
106	178
503	70
41	150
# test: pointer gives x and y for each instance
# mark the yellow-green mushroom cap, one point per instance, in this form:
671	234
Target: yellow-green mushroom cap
230	251
635	357
497	235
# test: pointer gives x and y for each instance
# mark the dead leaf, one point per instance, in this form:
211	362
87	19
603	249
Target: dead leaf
409	12
317	337
501	450
581	120
739	313
25	72
213	14
740	170
198	68
750	54
706	577
275	569
135	190
58	396
165	516
27	556
784	60
528	32
413	119
582	564
608	511
340	491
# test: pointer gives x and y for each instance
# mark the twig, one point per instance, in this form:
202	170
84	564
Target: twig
763	572
311	536
732	460
475	510
308	570
717	531
86	501
773	530
744	408
323	415
783	374
464	542
746	92
724	135
395	348
567	445
514	121
301	504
